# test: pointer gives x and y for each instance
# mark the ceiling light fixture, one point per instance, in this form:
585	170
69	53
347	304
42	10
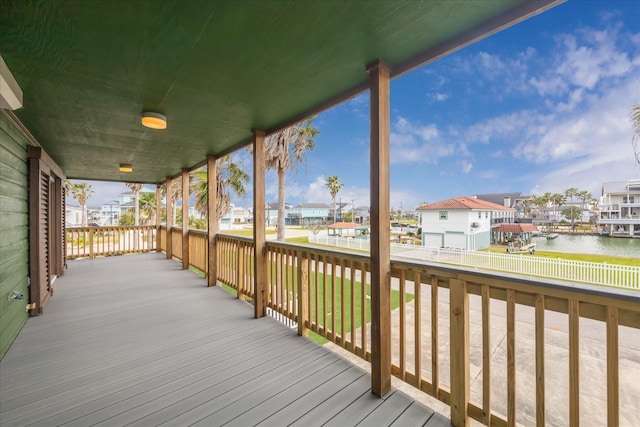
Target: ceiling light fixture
125	168
154	120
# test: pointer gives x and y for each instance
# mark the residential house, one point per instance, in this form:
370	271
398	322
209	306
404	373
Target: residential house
110	213
515	200
620	208
271	213
309	213
460	222
72	215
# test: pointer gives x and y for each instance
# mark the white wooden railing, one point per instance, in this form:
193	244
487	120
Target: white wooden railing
621	276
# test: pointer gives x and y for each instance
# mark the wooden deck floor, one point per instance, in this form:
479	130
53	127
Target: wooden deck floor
134	340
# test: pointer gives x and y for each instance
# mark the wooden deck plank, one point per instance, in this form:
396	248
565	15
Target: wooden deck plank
138	340
190	408
230	403
414	415
314	399
388	411
289	396
140	392
358	410
127	383
335	404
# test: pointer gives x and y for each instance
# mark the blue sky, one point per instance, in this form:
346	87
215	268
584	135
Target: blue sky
542	106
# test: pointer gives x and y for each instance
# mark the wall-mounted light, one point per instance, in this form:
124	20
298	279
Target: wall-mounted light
125	168
153	120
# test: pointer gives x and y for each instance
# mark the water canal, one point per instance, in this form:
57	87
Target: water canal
599	245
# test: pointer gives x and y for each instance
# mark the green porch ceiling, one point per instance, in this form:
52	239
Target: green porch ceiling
216	69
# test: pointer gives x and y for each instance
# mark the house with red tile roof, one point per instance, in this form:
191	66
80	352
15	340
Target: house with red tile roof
461	222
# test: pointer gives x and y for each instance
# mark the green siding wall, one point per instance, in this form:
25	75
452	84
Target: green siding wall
14	231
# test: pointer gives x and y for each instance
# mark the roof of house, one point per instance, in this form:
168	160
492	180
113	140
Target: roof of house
498	198
515	228
312	206
463	203
620	187
344	225
274	205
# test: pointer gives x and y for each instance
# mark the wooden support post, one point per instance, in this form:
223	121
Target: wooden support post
303	294
169	218
212	220
185	219
459	351
379	77
259	234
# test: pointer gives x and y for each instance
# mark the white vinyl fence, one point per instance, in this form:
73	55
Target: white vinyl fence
622	276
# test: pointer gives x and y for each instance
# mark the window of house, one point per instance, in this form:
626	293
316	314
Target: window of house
479	215
443	214
486	214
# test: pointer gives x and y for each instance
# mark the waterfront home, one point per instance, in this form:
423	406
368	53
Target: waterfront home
306	214
620	208
141	339
461	222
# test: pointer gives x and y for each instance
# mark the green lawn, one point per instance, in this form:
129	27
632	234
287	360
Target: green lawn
336	310
609	259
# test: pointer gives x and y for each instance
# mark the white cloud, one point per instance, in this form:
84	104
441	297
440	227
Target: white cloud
438	96
418	143
466	166
584	65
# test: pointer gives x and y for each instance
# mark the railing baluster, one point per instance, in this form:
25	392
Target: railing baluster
574	363
459	351
304	262
354	267
417	327
403	325
486	354
333	298
435	353
317	292
363	309
540	391
511	357
342	302
613	390
326	260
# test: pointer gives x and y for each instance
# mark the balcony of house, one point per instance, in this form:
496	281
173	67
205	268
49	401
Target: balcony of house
137	340
618	220
159	345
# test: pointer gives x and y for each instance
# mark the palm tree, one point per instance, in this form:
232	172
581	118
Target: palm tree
570	193
81	192
585	196
176	194
635	125
229	176
135	188
334	185
148	208
557	200
283	151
